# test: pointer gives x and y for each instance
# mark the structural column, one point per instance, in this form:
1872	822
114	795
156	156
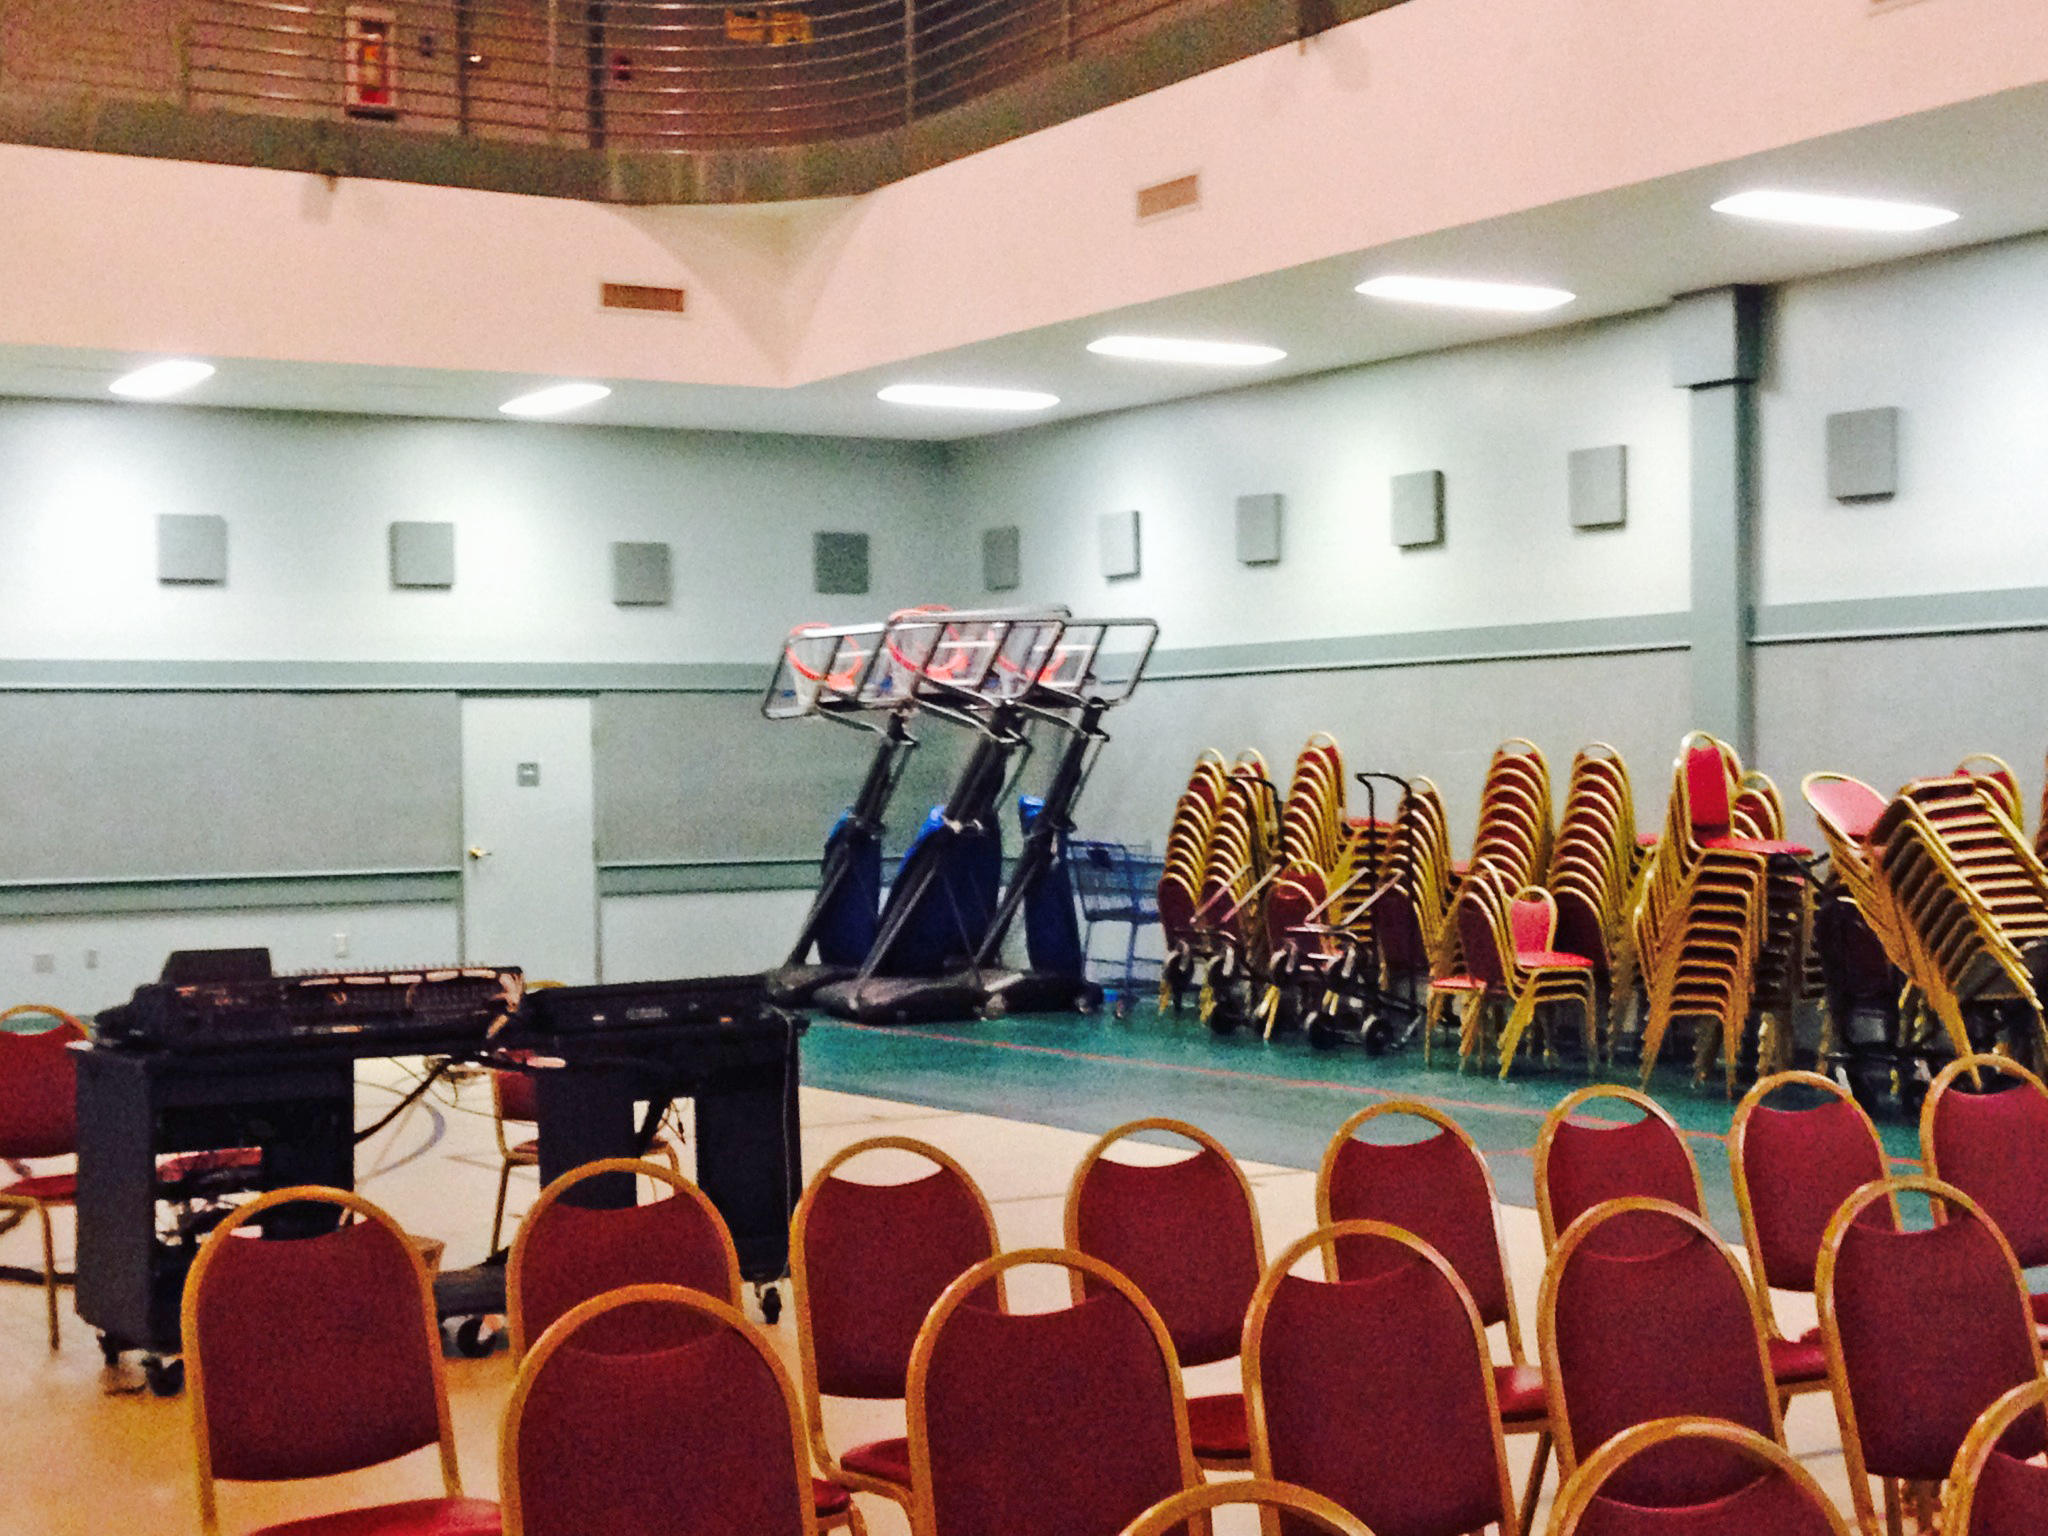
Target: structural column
1717	354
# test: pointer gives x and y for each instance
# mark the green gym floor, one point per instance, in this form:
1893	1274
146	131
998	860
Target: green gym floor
1275	1103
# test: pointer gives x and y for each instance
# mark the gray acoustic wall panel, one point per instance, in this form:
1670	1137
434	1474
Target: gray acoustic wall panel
1002	565
839	564
191	550
1418	499
1863	454
1117	537
1258	529
641	576
1598	481
422	554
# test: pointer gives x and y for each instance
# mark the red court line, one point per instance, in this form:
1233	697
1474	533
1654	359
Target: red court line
1250	1077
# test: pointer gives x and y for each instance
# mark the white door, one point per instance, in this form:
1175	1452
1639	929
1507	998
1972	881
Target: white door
529	890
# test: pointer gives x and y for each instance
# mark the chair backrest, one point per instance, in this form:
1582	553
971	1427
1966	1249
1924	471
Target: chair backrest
513	1096
1705	772
1023	1423
704	1439
309	1356
1532	920
1439	1188
1992	1492
1415	1447
1660	1326
1583	1163
1481	919
1293	1504
38	1086
1186	1233
1993	1146
1849	805
567	1253
1781	1499
1924	1331
1793	1168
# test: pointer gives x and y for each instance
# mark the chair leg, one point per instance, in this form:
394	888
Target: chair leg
1530	1494
1894	1519
49	1271
498	1213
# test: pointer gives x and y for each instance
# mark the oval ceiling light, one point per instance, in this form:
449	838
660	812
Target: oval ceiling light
1462	293
555	399
161	379
1173	349
967	397
1823	211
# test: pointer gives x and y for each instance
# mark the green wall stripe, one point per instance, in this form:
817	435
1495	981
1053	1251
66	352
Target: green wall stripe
214	893
693	877
1919	613
1423	648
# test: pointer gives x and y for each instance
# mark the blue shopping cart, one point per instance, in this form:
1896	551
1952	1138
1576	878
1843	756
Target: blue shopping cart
1118	883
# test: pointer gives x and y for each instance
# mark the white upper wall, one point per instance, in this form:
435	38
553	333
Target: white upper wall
1498	420
536	508
1433	115
1959	344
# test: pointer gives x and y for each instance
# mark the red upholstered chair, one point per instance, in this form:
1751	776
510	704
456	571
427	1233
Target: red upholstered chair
1298	1506
1023	1424
1924	1331
567	1253
701	1439
1661	1325
1186	1233
1781	1498
1993	1146
1793	1168
1440	1189
1377	1392
1992	1492
1583	1163
38	1093
310	1356
867	1263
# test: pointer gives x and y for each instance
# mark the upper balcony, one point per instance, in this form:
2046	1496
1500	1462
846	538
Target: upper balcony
625	101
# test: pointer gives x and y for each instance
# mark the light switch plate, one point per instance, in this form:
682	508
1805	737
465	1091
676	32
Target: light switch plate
528	775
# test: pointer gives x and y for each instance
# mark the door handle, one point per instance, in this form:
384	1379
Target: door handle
478	854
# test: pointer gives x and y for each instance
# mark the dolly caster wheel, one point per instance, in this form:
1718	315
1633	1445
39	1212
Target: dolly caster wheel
166	1378
110	1351
473	1341
770	1298
1320	1033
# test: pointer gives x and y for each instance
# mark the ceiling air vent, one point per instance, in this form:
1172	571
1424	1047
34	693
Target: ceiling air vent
666	301
1169	197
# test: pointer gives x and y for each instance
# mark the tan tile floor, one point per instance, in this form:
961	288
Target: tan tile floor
79	1460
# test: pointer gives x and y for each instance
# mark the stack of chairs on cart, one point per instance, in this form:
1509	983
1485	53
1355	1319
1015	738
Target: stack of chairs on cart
1214	915
1720	929
1187	853
1946	881
1329	864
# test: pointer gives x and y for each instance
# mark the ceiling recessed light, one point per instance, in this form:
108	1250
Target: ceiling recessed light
1460	293
160	379
1174	349
1827	212
965	397
555	399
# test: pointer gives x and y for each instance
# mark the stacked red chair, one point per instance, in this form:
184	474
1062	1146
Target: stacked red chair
1594	867
1187	852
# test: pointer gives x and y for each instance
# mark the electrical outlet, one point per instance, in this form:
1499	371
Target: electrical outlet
92	959
45	965
341	946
